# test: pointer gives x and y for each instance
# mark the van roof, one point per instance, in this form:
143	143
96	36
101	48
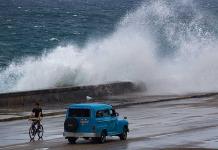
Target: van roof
91	106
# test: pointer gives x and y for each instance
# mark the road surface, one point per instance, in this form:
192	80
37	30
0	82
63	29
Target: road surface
175	124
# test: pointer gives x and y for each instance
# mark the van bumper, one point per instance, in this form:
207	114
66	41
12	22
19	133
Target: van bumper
79	134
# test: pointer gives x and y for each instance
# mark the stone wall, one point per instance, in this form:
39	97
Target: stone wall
64	95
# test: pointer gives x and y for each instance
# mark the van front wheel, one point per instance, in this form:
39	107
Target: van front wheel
102	138
72	140
123	136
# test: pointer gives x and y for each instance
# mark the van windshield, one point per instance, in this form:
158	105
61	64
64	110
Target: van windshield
79	112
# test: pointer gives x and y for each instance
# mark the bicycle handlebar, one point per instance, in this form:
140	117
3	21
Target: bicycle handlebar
34	119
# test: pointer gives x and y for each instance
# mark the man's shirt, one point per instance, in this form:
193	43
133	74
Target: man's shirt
36	111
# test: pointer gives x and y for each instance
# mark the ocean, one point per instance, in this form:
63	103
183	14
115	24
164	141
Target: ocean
169	45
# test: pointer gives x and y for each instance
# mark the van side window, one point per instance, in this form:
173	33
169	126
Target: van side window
103	113
106	113
99	114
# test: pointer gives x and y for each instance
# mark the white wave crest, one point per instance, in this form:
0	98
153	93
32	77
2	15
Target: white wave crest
136	52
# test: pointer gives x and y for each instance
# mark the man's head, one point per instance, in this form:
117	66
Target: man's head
37	104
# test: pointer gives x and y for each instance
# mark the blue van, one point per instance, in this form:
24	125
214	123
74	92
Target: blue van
93	121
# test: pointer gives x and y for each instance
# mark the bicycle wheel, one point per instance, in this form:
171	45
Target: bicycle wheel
40	131
32	132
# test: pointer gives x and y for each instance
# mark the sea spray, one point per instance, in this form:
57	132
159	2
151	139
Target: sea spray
170	46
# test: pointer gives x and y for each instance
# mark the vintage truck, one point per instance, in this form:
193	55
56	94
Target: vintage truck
93	121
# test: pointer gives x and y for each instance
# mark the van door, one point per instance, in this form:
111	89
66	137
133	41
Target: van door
83	118
113	122
104	120
101	121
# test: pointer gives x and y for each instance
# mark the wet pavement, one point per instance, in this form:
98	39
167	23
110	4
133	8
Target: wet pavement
11	114
174	124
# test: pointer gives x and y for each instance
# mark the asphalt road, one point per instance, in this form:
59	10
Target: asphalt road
176	124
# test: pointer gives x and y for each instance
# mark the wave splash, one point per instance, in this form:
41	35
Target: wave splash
169	46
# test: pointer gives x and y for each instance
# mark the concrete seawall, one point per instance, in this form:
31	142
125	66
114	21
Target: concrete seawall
64	95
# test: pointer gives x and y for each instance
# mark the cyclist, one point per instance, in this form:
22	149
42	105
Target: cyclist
37	114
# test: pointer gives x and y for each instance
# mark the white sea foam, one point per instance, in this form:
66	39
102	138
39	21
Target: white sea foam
53	39
132	53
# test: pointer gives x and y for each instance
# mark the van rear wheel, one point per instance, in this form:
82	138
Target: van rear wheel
94	139
72	140
86	138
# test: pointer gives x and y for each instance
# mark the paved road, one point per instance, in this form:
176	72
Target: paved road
182	123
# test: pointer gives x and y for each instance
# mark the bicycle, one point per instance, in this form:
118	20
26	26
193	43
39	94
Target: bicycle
33	130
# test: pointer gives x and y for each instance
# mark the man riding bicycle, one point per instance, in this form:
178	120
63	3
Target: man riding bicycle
36	117
37	114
